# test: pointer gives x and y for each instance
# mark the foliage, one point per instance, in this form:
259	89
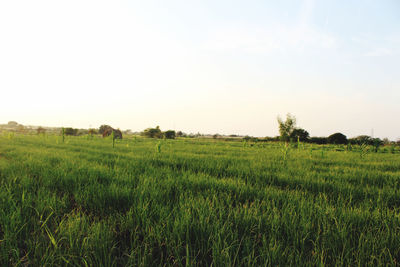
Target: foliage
376	142
337	138
115	133
286	127
153	132
361	139
170	134
319	140
104	128
271	139
299	134
71	131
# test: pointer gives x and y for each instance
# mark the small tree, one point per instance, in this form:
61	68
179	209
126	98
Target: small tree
115	133
300	134
103	128
170	134
377	142
338	139
364	139
71	131
153	132
286	127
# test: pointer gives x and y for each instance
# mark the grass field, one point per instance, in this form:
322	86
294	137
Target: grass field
195	202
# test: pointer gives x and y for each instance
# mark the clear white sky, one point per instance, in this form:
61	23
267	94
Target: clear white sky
226	66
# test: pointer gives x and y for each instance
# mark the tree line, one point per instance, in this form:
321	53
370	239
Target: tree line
290	133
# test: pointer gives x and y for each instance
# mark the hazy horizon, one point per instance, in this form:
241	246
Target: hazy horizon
210	67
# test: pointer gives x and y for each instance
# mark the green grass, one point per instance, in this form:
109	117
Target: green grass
195	202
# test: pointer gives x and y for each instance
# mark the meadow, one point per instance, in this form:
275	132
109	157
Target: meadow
196	202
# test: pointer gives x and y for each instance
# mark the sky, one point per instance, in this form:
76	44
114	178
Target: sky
227	67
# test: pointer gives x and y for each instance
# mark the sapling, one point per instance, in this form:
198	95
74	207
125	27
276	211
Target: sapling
377	143
158	147
363	150
113	138
285	152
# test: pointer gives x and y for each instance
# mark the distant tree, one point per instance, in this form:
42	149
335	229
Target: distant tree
153	132
70	131
117	133
92	131
179	133
286	127
299	134
365	139
246	138
170	134
377	142
41	130
215	136
104	128
319	140
338	139
361	139
272	139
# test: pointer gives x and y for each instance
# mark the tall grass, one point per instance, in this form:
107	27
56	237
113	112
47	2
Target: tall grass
199	202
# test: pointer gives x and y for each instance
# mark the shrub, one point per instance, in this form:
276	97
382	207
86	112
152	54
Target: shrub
338	139
318	140
361	139
116	133
103	128
71	131
170	134
299	134
153	132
